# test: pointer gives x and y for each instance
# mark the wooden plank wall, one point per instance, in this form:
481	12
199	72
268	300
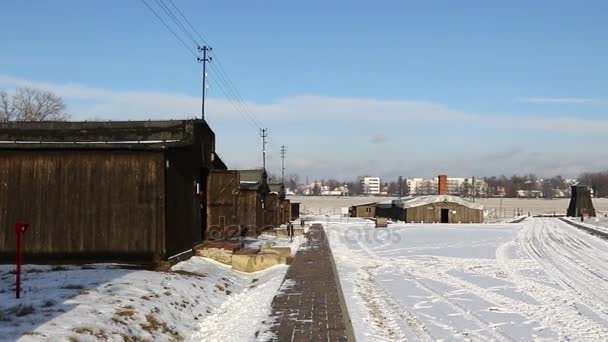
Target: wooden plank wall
362	211
250	211
432	213
272	212
286	211
222	204
97	205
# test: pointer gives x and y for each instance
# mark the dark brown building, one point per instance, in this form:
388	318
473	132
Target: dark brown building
223	191
104	191
276	206
251	206
363	210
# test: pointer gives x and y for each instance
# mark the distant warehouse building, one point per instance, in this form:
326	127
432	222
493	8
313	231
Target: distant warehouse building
363	210
105	191
437	209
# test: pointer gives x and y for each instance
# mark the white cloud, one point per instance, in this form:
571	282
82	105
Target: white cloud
560	100
87	103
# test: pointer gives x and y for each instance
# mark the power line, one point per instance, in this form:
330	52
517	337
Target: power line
231	95
221	71
168	11
238	110
170	29
188	22
238	95
231	92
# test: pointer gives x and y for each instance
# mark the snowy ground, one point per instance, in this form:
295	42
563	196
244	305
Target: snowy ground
539	280
200	300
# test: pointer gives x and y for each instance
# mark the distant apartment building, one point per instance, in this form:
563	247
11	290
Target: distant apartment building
455	186
371	185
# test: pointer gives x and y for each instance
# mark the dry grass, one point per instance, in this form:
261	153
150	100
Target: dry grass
24	311
126	312
154	325
99	335
190	274
220	287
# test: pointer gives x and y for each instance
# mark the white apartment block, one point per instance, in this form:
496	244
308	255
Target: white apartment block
456	186
371	185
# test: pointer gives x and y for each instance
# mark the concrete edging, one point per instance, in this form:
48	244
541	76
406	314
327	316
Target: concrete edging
348	324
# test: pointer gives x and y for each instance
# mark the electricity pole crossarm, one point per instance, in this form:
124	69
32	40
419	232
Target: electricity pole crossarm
204	60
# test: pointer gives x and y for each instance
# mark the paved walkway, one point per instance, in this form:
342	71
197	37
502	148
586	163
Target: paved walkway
308	306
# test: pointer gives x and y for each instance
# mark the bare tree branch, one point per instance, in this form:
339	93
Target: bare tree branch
31	104
7	110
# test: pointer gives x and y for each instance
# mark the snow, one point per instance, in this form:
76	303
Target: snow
199	300
539	280
412	202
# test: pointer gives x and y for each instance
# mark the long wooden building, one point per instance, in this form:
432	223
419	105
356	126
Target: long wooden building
423	209
105	191
437	209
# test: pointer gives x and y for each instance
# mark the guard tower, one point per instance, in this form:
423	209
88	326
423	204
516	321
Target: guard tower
580	202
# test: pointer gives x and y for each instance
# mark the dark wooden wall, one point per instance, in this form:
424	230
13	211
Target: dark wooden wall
272	212
97	205
295	210
184	206
286	208
250	212
222	204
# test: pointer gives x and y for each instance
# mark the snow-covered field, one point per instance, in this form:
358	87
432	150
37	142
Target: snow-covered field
199	300
539	280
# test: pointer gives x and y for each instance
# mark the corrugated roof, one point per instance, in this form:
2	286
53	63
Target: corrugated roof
413	202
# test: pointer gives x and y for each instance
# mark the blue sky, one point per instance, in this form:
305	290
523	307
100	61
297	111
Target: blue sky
389	88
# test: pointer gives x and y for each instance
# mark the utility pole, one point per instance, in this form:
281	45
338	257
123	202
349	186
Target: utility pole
473	188
283	153
204	60
264	134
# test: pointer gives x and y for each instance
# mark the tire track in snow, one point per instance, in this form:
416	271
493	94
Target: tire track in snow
557	308
457	307
572	260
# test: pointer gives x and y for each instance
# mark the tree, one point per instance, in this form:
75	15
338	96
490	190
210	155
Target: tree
31	104
316	190
7	110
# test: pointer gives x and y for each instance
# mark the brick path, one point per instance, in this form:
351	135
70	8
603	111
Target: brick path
308	307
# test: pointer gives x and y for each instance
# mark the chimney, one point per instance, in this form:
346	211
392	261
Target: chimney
442	186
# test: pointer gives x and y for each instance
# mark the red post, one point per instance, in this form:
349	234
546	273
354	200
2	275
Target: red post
19	230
